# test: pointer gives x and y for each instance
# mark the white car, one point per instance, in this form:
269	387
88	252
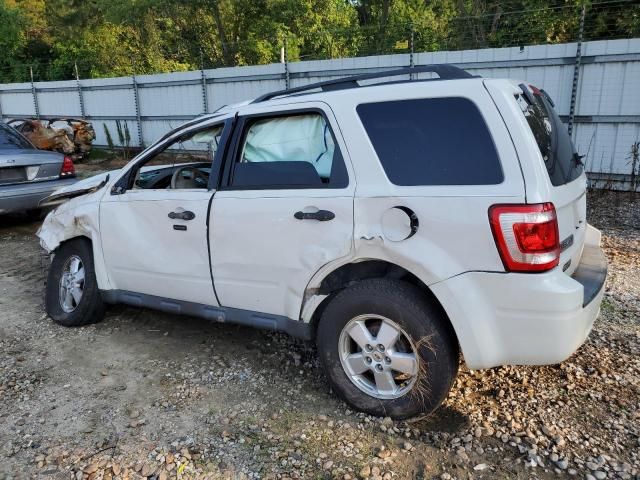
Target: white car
397	224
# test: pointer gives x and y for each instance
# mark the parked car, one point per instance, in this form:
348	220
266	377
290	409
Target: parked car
396	224
27	175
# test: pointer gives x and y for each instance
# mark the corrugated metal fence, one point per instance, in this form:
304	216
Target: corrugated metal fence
601	79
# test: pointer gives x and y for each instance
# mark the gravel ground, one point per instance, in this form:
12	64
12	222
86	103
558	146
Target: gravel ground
148	395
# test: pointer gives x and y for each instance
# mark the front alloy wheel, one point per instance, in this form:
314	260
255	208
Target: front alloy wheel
71	284
72	298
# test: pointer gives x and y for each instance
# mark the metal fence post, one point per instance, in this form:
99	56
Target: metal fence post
203	78
79	88
411	51
205	96
137	105
576	71
286	65
1	115
34	95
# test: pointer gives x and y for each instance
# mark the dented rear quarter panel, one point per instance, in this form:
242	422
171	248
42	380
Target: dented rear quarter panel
454	235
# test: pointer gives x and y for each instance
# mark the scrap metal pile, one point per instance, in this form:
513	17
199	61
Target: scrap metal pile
71	136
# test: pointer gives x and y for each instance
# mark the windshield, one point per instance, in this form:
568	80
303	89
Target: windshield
559	155
10	139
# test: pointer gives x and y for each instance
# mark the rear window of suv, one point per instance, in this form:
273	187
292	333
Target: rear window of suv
557	150
432	141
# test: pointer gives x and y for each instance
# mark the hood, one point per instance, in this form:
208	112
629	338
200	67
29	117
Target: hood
83	187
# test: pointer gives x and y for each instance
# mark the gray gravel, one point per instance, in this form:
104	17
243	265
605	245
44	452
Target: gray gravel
148	395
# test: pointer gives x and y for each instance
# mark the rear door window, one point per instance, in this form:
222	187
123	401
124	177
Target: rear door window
432	141
560	158
289	151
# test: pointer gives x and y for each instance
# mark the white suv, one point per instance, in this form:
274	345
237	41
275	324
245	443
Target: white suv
397	224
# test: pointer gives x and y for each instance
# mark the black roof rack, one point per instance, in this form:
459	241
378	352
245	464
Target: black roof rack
444	71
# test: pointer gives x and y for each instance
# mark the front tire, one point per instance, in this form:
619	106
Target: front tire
72	297
386	349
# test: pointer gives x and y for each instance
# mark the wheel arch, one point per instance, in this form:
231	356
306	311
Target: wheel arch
321	291
80	236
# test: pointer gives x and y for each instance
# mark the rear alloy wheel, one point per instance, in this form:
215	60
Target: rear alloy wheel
72	297
378	356
386	349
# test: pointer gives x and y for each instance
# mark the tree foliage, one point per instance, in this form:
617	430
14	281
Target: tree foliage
12	40
124	37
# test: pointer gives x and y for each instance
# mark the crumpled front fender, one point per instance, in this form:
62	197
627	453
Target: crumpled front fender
78	217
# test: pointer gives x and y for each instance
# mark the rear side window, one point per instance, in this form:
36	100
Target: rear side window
10	139
434	141
559	155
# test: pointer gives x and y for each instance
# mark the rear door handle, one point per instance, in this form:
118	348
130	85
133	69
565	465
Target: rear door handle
186	215
320	215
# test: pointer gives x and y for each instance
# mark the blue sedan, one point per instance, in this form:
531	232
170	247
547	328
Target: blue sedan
27	175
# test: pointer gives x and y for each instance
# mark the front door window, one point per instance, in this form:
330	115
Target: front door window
183	164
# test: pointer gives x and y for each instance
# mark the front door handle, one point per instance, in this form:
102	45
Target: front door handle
186	215
320	215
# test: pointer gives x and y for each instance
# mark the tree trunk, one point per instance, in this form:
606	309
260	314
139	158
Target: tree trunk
227	52
384	19
479	33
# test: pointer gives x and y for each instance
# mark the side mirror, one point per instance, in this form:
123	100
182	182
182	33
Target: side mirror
121	185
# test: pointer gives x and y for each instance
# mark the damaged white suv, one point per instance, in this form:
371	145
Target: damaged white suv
396	223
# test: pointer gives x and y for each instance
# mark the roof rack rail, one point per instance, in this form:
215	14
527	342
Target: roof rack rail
444	71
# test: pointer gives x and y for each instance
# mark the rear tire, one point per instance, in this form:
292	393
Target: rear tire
72	298
420	342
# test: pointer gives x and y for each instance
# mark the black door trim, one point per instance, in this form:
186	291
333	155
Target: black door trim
295	328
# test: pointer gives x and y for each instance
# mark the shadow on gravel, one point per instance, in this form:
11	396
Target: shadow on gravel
20	223
445	419
165	337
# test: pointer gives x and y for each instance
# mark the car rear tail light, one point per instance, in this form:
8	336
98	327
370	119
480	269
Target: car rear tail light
526	236
68	169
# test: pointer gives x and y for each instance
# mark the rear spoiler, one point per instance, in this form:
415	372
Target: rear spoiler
529	96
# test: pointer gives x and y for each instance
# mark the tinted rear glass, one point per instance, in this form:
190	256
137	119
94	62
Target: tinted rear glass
435	141
552	137
12	140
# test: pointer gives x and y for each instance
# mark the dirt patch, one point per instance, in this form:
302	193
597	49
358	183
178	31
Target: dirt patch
100	161
150	395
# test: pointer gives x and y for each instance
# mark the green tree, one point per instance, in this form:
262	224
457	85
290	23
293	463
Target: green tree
12	42
124	37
